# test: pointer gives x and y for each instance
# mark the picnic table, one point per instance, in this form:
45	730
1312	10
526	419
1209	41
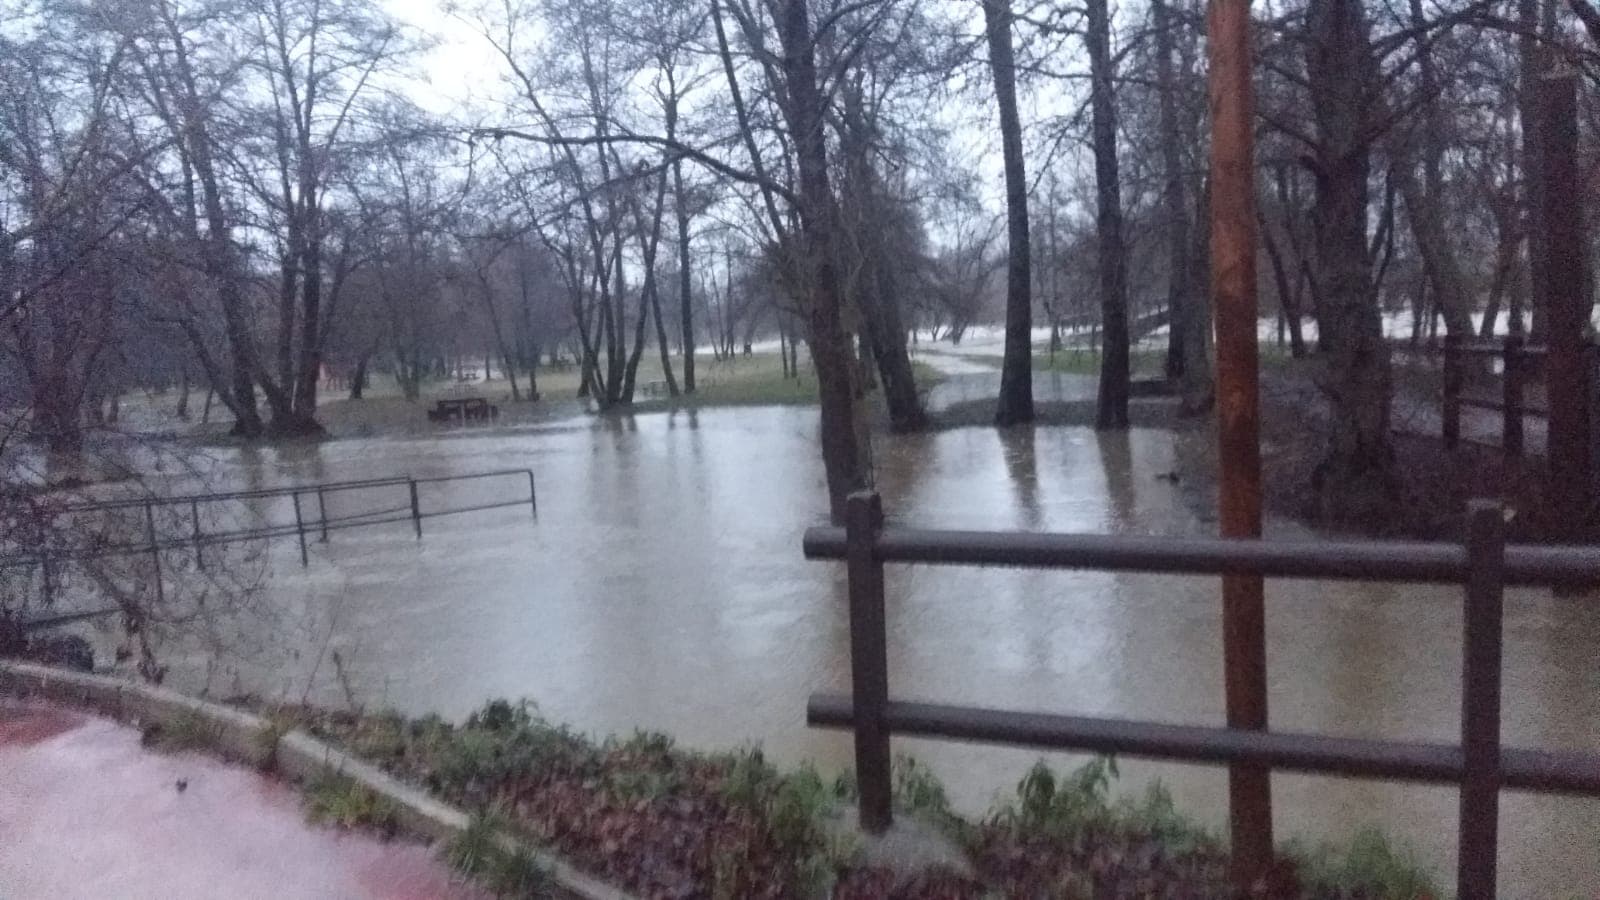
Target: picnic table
464	410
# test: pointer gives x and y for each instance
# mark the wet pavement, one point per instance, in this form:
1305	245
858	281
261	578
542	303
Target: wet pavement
86	812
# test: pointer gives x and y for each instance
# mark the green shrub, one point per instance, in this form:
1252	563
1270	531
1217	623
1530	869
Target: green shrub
1367	867
1056	806
478	852
185	731
333	798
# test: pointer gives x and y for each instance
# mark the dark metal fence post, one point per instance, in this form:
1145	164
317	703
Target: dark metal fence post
322	514
1453	377
155	550
869	665
1480	701
416	508
45	578
1515	366
533	499
194	520
300	530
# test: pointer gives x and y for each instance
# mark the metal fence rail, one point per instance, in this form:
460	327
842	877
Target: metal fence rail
1481	765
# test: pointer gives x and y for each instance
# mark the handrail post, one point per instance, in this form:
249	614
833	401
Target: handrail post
1453	377
1483	627
300	530
194	520
416	508
533	498
322	514
1511	441
869	665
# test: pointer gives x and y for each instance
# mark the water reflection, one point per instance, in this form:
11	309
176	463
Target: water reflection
663	587
1022	465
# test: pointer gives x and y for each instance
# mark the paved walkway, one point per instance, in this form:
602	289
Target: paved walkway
86	812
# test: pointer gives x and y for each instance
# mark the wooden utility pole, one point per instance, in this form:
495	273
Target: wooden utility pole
1565	301
1233	297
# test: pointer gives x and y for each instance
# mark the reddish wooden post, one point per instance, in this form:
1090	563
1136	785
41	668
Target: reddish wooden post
1233	297
1566	302
1454	375
1511	391
869	663
1482	632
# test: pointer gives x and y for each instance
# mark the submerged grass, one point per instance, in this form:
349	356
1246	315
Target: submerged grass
664	821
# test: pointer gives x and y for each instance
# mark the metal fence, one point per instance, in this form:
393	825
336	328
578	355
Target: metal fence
1480	764
181	526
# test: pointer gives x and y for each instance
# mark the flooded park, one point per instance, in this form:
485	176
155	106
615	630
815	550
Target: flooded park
661	586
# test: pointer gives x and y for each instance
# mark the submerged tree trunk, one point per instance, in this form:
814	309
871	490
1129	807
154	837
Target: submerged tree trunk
1015	403
1112	408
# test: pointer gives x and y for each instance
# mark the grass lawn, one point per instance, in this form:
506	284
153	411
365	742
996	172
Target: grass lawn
755	380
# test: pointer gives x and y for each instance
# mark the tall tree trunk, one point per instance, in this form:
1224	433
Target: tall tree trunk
685	286
1015	403
1287	288
1189	321
217	250
1529	64
844	442
661	341
358	381
1356	479
1112	408
1425	200
876	285
305	387
650	243
183	394
287	282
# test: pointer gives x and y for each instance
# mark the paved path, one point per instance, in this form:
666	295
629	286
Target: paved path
86	812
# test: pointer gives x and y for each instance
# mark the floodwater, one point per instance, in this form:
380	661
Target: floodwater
662	586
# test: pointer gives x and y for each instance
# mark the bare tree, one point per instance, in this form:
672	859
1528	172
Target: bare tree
1016	373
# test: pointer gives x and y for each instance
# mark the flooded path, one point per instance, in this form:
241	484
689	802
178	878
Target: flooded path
662	587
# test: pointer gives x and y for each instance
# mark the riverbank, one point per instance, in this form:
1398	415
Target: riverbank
663	821
642	813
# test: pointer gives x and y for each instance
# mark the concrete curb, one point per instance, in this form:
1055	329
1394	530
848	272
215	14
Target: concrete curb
295	755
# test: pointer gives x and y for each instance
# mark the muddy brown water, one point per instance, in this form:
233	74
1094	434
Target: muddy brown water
662	587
